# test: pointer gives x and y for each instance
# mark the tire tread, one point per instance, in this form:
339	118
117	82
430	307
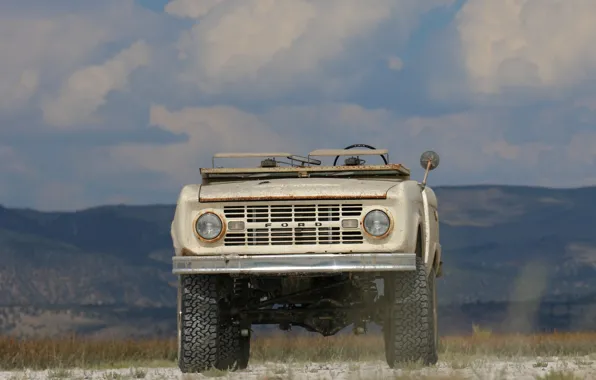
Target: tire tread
206	341
410	334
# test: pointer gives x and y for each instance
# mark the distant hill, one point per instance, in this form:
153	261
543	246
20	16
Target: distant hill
91	270
516	243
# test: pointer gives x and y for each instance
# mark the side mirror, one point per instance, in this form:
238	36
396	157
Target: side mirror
429	160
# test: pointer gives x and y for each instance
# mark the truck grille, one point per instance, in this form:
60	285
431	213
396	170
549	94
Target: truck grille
256	216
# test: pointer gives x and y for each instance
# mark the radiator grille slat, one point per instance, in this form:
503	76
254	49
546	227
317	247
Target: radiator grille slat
330	233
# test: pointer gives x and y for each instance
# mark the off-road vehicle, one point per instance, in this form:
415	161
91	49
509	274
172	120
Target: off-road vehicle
291	242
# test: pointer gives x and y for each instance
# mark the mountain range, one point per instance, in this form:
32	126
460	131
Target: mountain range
107	270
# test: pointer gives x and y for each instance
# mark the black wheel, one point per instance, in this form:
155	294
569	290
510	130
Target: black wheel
410	329
205	339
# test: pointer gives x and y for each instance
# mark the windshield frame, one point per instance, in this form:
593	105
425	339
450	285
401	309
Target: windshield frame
394	171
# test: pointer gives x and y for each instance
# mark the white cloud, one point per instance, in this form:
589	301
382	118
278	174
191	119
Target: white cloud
30	45
588	102
278	45
12	162
191	8
13	166
526	155
40	45
533	43
472	145
458	138
330	124
58	195
464	147
86	89
582	149
278	75
209	129
16	91
395	63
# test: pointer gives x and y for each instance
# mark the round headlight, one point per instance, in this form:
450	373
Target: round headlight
209	226
377	223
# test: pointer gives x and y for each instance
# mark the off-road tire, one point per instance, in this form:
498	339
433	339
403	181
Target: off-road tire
236	355
243	352
410	328
205	339
229	347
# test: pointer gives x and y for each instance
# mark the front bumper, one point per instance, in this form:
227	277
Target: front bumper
294	263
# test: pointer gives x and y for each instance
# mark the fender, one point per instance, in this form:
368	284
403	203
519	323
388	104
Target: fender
430	228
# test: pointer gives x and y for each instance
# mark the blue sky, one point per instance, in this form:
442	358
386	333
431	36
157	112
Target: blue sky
121	101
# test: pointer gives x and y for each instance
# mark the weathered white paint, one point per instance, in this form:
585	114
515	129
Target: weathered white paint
430	226
295	187
405	203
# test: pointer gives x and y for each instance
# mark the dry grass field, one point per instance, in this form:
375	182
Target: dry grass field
274	356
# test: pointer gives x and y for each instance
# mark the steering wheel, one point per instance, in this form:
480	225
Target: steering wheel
361	146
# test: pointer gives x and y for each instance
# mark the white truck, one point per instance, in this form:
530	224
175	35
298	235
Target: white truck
296	243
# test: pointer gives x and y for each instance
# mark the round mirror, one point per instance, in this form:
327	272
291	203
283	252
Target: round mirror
429	156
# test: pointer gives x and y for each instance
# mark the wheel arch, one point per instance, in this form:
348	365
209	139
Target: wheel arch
432	259
420	241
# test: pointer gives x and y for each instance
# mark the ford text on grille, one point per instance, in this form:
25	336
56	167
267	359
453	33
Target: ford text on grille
297	224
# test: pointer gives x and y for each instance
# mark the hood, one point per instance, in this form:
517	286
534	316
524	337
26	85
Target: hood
296	188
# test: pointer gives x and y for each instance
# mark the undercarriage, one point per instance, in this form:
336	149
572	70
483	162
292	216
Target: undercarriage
322	304
216	312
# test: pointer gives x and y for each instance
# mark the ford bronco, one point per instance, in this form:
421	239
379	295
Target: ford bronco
291	242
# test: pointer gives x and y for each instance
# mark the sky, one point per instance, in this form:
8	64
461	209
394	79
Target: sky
122	101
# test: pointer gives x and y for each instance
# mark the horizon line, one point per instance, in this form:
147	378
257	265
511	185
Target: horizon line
173	203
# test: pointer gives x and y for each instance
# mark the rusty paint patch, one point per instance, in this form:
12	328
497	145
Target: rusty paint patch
187	252
292	197
307	169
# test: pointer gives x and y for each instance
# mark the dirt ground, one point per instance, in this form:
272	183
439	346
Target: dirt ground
462	368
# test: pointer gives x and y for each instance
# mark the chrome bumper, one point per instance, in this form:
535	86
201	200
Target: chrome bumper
294	263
